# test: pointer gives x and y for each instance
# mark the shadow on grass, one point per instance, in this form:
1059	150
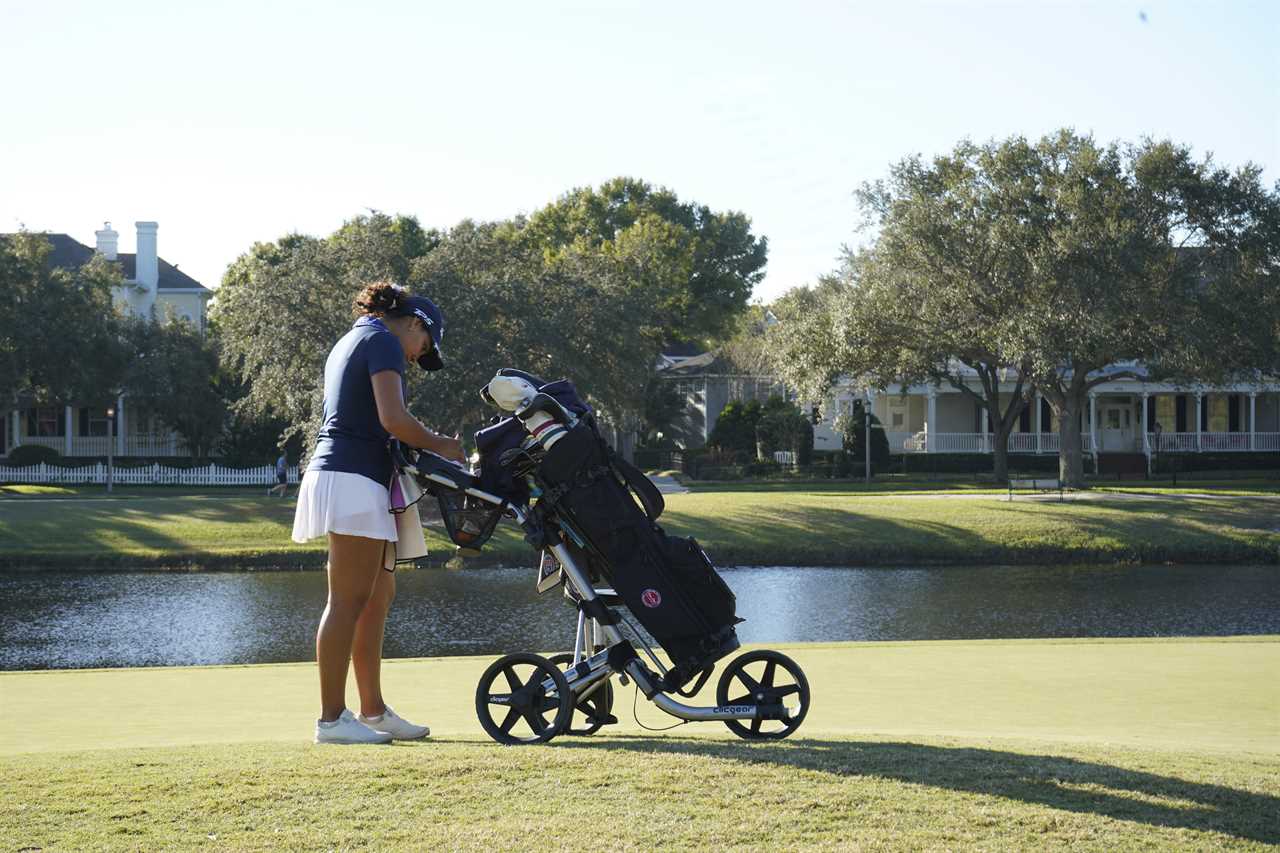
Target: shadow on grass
1062	783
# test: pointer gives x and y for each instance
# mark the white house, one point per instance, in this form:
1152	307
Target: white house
1124	416
153	287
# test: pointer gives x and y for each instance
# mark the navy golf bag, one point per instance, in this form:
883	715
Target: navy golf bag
609	508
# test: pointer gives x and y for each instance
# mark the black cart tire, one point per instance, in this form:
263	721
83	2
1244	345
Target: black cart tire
772	678
598	706
517	684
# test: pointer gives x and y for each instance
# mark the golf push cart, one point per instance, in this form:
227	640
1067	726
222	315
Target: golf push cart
592	518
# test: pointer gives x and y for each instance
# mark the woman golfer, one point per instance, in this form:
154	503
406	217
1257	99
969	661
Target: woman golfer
344	496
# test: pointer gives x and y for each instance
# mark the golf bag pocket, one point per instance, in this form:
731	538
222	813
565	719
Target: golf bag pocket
700	581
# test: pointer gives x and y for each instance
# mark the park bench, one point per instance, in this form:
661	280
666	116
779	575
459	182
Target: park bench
1037	484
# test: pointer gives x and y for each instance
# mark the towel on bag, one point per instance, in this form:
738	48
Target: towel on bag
410	544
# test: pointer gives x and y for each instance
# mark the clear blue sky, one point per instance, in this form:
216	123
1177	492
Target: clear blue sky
253	119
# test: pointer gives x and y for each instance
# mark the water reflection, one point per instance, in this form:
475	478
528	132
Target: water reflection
106	620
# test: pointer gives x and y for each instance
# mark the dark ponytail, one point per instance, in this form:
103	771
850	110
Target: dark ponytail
380	298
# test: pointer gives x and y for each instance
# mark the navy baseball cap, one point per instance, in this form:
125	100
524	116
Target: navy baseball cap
426	311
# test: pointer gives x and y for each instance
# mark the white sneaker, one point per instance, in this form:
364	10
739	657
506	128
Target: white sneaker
393	725
347	729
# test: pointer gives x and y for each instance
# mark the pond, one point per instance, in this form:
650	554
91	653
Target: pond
62	620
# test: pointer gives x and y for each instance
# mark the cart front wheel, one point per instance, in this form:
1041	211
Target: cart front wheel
523	698
775	684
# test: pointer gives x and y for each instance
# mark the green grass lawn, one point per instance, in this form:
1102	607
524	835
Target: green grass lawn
1098	745
827	526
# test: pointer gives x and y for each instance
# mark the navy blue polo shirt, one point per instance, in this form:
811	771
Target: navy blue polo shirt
351	438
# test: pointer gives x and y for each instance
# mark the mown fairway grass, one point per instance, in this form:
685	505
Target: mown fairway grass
825	526
1100	745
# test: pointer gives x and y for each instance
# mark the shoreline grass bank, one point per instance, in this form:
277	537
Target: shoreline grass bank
1026	744
179	530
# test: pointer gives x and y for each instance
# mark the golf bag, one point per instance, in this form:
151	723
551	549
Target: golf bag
609	508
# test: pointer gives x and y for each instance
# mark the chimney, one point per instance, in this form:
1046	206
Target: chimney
147	269
107	238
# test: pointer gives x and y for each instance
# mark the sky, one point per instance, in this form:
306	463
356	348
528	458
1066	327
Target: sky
239	122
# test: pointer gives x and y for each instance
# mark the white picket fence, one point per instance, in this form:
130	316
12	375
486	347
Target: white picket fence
146	475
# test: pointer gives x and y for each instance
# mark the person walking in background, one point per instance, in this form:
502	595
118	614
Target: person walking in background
345	496
282	476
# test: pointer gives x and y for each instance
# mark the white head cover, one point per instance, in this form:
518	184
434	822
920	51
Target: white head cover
510	393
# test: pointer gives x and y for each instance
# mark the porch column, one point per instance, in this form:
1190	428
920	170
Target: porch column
931	421
1093	426
1199	403
1253	415
120	426
985	414
17	433
66	437
1039	426
1146	443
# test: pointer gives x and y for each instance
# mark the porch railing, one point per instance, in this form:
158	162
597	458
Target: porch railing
1212	442
976	442
137	444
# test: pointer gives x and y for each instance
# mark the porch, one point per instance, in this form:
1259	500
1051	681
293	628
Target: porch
1120	418
88	432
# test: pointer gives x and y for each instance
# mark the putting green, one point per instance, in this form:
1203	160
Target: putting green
1215	694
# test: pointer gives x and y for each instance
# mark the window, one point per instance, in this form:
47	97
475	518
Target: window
898	421
46	421
93	422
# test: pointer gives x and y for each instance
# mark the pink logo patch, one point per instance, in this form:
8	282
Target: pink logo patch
651	598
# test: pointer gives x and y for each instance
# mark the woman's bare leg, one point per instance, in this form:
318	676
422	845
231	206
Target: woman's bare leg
354	564
366	647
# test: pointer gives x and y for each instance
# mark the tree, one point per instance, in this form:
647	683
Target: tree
783	427
928	300
1140	253
59	329
506	304
662	405
282	305
174	370
1047	262
697	266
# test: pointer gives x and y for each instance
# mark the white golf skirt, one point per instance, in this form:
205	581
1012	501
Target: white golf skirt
341	502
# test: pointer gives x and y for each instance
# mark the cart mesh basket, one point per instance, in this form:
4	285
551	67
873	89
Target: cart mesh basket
469	522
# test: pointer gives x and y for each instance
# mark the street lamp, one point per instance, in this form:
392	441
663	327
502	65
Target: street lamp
111	423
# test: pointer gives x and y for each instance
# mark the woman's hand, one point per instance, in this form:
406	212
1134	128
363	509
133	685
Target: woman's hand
451	449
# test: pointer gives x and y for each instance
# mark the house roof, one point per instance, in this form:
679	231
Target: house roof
708	363
70	253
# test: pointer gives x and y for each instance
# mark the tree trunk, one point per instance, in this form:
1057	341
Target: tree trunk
1070	453
1000	451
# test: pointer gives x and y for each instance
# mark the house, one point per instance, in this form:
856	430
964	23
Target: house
1125	416
707	383
153	287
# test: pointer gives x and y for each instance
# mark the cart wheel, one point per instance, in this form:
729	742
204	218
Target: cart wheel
526	688
593	711
765	678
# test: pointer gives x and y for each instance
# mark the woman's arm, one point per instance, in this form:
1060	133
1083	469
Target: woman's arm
395	419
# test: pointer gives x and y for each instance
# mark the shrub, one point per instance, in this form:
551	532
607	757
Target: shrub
735	429
31	454
853	430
